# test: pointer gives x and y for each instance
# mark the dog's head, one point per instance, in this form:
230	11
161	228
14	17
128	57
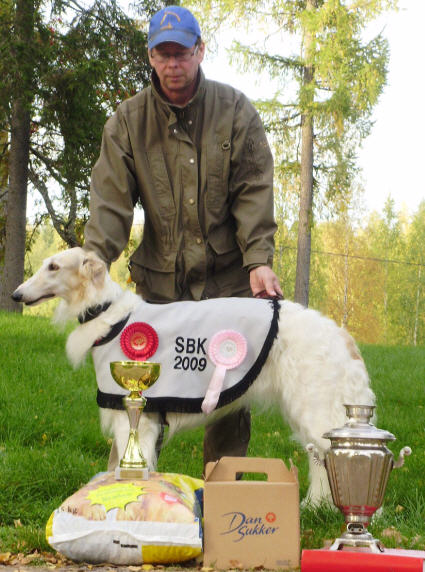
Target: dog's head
73	275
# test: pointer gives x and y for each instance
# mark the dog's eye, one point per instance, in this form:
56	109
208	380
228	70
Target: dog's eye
53	266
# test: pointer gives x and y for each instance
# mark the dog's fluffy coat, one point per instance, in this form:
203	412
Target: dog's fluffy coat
313	368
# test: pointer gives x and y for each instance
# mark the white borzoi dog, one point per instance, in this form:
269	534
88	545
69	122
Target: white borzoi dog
312	369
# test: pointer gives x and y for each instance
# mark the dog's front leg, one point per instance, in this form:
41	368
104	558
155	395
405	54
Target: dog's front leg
149	432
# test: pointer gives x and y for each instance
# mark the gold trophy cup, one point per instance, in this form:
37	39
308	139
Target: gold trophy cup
135	376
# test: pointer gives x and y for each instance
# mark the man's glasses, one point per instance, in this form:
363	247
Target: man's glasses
163	57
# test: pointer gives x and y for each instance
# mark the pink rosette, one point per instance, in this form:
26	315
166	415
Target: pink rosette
139	341
227	350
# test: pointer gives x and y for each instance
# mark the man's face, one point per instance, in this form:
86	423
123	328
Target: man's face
176	67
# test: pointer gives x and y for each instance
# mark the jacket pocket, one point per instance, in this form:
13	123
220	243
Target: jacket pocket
160	197
222	240
154	286
155	257
218	164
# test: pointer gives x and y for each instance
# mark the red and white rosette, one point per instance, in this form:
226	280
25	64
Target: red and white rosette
139	341
227	350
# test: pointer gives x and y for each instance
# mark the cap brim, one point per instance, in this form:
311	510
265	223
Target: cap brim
186	39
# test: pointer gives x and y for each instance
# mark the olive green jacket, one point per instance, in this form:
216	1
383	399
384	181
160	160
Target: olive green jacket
204	177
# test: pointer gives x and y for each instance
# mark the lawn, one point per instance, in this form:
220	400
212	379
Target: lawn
51	443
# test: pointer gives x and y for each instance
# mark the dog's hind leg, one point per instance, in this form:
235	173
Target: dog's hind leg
319	489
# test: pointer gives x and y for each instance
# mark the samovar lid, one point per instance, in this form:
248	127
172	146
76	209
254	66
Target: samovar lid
358	426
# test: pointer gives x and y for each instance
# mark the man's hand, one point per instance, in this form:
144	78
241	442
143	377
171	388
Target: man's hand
264	282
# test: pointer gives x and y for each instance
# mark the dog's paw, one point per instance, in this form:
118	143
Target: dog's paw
309	503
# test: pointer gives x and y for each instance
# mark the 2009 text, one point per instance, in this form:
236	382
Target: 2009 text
192	363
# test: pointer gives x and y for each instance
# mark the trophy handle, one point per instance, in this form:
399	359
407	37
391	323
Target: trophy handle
312	450
405	452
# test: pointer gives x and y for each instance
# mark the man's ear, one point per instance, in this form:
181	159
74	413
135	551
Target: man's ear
201	52
93	269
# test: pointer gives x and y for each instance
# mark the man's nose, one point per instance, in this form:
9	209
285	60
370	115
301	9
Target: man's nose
172	61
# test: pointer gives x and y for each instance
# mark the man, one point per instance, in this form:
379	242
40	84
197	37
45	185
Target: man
194	153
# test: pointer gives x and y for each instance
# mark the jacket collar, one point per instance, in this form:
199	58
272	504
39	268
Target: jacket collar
159	96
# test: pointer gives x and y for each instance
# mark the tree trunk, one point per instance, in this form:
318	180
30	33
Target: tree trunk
305	219
345	301
4	176
16	206
302	280
16	210
418	297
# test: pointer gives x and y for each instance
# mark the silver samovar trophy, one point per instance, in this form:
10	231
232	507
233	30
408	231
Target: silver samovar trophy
358	465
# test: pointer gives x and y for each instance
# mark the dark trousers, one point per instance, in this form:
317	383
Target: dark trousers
228	436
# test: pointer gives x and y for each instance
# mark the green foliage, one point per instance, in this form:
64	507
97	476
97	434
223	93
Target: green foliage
366	273
374	275
84	62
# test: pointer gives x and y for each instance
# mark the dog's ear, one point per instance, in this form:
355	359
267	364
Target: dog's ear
93	268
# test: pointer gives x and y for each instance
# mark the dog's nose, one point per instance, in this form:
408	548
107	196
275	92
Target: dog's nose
17	296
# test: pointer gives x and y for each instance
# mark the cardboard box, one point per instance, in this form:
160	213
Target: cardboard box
251	523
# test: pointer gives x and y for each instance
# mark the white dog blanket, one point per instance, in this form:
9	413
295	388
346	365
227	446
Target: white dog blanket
178	338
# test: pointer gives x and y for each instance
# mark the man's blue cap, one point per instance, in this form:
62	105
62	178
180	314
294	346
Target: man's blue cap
173	24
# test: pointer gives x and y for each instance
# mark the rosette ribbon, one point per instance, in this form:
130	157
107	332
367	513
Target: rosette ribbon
227	350
139	341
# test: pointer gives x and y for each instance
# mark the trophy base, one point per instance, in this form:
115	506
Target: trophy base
123	473
364	539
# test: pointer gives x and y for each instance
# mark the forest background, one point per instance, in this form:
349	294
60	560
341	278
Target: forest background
366	270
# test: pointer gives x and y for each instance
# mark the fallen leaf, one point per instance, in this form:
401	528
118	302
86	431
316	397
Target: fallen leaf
5	556
392	532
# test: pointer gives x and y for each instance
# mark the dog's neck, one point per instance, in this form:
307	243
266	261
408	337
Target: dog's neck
108	322
93	312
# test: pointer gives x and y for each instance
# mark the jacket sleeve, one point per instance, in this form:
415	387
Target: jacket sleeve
251	187
113	193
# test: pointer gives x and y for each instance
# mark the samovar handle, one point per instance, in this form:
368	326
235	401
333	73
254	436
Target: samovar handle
312	450
405	452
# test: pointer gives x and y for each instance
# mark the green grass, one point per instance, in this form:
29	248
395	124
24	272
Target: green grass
51	443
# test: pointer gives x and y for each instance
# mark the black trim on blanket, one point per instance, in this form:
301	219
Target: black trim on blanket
110	400
113	332
95	311
193	405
